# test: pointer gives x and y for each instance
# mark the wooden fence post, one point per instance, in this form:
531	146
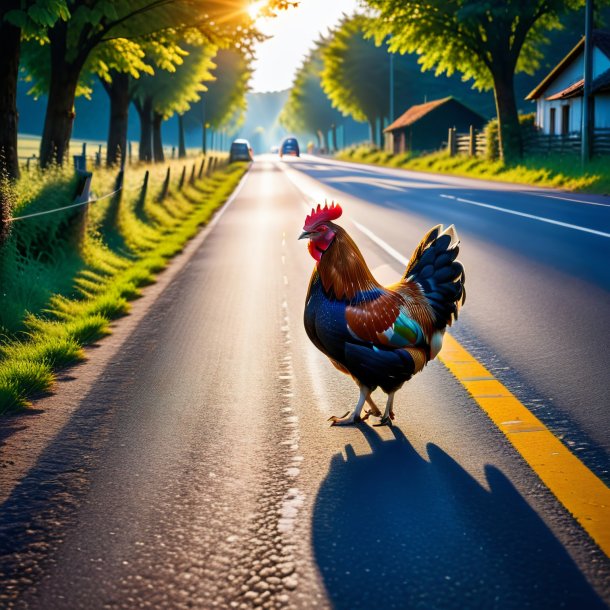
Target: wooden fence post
142	197
472	143
182	176
201	168
209	167
192	178
451	142
112	214
165	187
82	195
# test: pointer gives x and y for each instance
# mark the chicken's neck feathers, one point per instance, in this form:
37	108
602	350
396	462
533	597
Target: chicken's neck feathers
343	270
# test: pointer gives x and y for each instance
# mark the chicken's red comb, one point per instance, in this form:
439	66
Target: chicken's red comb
322	214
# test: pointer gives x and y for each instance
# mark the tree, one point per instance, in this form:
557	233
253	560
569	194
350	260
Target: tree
157	97
18	18
95	22
307	109
487	42
162	51
224	101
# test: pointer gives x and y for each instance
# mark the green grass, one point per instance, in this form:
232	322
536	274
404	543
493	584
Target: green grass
556	171
60	291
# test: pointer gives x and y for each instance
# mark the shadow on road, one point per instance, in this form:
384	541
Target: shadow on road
392	530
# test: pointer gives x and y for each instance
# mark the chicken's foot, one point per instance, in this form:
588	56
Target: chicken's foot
388	415
354	416
374	410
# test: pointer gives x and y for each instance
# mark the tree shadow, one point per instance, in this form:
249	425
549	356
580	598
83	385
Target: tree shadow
392	530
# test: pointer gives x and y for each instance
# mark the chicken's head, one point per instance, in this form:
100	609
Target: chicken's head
320	230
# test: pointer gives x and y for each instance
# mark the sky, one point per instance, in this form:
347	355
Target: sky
293	33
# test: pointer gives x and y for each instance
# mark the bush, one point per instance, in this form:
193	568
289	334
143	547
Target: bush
527	123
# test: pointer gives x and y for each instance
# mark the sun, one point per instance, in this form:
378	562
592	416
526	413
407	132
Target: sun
255	9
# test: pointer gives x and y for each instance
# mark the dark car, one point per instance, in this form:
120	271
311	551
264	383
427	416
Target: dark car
240	151
290	147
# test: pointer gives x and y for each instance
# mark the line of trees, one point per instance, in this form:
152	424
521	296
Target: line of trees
482	43
156	53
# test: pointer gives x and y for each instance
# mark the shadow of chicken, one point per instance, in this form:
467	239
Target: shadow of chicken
380	335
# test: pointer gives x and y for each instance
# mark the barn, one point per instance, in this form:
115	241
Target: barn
424	127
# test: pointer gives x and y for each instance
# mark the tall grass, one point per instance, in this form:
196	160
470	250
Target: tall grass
553	170
59	292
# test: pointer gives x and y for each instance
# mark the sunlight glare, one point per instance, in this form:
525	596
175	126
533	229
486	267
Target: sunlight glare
255	9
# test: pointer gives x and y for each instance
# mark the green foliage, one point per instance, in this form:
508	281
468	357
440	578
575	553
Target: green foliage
475	38
527	123
307	109
176	89
355	76
224	100
36	15
79	287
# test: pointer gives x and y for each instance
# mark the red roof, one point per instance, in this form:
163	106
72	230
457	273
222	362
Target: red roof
571	91
415	113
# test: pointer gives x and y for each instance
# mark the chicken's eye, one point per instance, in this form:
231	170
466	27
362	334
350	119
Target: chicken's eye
322	228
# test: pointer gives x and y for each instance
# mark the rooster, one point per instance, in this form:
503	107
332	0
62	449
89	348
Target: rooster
381	336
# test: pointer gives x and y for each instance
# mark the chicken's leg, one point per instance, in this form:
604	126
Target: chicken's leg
374	410
354	416
388	416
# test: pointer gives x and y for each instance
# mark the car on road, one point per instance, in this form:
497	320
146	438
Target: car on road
290	147
240	151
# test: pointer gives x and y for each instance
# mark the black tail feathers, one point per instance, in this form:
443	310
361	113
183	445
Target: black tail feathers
434	267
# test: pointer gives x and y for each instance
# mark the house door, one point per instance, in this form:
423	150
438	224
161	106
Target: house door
565	120
552	122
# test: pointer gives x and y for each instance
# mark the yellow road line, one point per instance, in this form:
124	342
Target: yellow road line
584	495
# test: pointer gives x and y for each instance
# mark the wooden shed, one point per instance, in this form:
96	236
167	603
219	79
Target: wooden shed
424	127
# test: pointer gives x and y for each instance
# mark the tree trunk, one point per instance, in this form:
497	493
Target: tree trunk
372	130
118	92
144	109
333	128
10	45
509	130
321	141
181	146
59	117
157	140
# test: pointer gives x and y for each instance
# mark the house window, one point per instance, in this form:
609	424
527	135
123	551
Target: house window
565	120
552	122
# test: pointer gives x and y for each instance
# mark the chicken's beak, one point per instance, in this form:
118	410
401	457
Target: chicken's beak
304	234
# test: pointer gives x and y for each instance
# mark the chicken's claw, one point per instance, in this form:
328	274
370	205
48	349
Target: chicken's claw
344	420
385	421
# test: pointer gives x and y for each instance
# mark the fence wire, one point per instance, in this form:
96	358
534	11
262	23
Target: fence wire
74	205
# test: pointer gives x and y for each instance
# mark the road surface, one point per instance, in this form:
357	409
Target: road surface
200	471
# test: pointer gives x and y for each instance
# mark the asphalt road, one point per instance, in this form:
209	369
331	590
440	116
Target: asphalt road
200	472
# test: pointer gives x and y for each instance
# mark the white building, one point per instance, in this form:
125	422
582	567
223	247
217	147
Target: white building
559	96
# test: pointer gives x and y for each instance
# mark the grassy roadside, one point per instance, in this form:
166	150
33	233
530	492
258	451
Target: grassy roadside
555	171
59	294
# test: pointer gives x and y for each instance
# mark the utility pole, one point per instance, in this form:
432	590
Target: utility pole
204	144
587	114
391	87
